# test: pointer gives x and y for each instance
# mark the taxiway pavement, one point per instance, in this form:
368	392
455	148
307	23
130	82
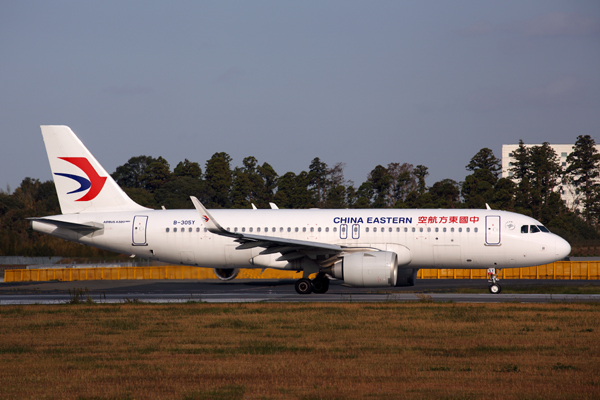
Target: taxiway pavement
214	291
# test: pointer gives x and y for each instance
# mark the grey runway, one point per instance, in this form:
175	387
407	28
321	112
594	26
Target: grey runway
213	291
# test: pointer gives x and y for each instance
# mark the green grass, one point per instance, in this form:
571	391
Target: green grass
421	350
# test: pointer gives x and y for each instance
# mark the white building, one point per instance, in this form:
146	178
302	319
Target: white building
570	195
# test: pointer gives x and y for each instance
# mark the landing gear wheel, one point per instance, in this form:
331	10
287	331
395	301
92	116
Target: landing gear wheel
320	285
493	280
495	288
304	286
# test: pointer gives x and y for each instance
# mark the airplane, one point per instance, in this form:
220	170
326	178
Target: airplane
362	247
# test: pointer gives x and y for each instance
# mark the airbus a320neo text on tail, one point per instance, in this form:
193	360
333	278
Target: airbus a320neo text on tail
364	248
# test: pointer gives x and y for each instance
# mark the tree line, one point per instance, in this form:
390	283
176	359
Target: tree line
533	189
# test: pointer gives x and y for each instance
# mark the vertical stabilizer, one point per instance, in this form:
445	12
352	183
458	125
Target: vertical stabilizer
82	184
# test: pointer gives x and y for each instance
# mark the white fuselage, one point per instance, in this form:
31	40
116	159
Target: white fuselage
440	238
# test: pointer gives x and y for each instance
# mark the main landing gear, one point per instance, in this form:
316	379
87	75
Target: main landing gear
318	285
493	279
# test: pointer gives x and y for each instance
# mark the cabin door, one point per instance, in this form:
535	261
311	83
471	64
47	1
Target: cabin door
139	230
492	230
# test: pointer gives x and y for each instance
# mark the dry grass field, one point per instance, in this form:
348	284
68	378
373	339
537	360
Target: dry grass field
300	351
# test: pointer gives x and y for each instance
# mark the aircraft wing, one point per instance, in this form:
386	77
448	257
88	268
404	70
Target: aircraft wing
290	249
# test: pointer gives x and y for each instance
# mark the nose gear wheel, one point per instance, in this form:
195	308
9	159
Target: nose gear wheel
493	279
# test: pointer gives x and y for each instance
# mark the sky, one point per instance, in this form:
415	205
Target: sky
359	82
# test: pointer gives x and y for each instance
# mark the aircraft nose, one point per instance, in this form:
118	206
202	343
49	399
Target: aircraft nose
563	248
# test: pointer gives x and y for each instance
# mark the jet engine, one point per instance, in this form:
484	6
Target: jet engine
367	269
226	274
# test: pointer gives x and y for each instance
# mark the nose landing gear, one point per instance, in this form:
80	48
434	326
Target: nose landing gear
493	279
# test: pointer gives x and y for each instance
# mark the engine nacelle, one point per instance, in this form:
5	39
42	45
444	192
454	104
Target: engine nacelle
367	269
226	274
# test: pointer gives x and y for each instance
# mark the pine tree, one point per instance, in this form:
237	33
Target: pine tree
218	178
485	159
583	169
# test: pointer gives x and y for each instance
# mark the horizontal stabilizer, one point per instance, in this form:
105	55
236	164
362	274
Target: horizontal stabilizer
87	227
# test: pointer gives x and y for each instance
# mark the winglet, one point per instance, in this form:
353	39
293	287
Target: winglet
274	206
211	224
487	206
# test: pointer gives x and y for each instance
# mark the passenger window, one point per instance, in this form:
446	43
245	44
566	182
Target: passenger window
405	229
167	230
289	229
335	228
437	229
413	229
533	229
428	229
190	229
375	229
174	229
296	229
257	229
249	229
444	229
312	229
243	229
468	229
205	230
327	229
451	229
525	229
420	229
304	229
543	228
367	229
475	230
460	229
198	229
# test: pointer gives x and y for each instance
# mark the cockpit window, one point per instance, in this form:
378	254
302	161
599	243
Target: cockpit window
534	229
